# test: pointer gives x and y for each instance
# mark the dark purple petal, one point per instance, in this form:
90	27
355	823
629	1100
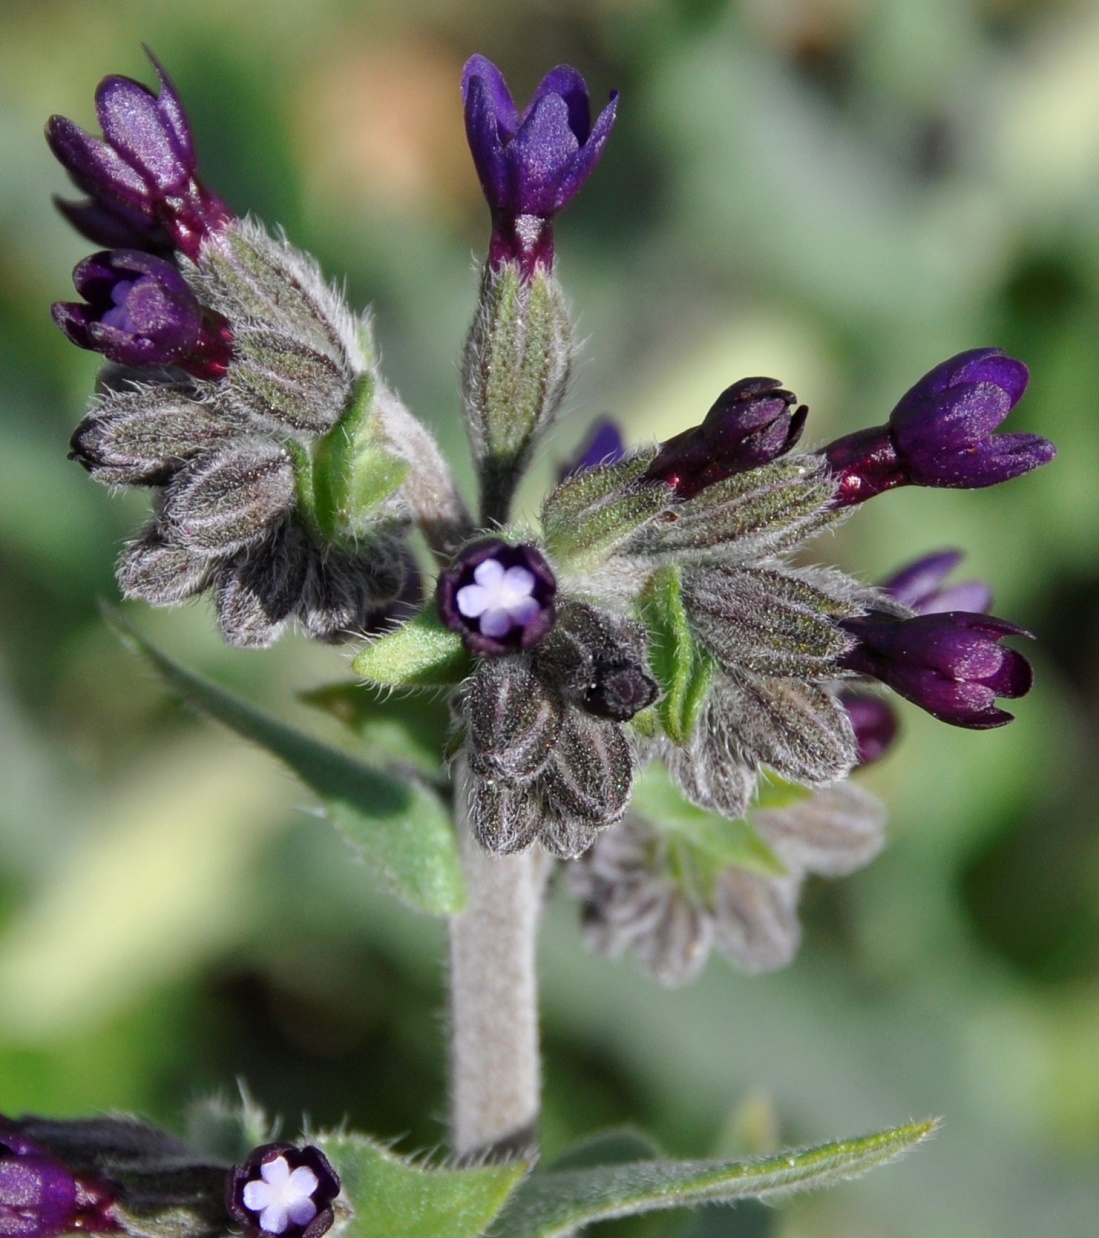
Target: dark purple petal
140	311
941	433
920	586
135	126
751	423
583	163
603	445
949	664
500	103
41	1197
485	143
114	225
978	365
874	723
570	85
524	631
93	165
539	158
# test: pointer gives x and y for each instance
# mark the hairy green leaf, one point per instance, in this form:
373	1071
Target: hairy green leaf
394	1198
558	1203
683	670
399	827
419	654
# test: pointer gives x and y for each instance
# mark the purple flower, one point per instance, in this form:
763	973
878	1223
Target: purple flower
499	597
531	165
140	311
952	664
41	1197
920	586
751	423
283	1191
874	722
141	174
941	433
603	445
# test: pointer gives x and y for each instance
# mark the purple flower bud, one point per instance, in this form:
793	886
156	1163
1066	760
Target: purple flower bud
283	1191
952	664
139	311
751	423
941	433
920	586
41	1197
141	174
499	597
603	445
874	723
530	165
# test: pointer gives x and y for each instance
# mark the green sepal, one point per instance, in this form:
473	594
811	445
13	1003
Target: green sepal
706	841
682	667
557	1203
775	792
412	729
392	1197
399	827
421	653
353	469
590	514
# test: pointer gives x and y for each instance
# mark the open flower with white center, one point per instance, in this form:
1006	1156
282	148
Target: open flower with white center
283	1191
499	597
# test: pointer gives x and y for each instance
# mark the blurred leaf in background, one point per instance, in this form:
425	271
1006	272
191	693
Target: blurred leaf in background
837	192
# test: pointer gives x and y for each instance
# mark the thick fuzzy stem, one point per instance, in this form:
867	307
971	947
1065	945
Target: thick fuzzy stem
494	1057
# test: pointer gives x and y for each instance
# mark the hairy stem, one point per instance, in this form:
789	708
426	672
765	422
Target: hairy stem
495	1066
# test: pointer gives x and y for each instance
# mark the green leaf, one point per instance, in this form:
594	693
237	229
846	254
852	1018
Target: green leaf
718	841
558	1203
419	654
399	828
410	729
683	670
394	1198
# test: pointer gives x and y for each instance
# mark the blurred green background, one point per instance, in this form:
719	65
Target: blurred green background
839	193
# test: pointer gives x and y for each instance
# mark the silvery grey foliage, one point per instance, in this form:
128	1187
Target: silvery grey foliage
259	498
542	768
645	889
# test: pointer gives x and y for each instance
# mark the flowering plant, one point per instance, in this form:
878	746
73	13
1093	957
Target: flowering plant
651	686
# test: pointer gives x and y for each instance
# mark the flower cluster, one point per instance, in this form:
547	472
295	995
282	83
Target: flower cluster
659	618
241	390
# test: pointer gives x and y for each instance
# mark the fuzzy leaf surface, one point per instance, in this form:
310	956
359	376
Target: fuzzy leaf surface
555	1204
398	827
395	1198
419	654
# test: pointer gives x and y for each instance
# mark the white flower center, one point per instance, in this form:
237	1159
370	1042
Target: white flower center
501	599
281	1197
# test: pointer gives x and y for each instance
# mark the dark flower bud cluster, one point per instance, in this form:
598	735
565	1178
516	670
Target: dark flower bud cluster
283	1191
141	177
648	890
549	759
942	433
244	394
750	423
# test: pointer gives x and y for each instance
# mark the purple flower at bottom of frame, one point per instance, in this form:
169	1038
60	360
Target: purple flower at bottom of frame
920	586
750	423
283	1191
530	164
140	176
138	310
951	664
40	1197
500	598
941	433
